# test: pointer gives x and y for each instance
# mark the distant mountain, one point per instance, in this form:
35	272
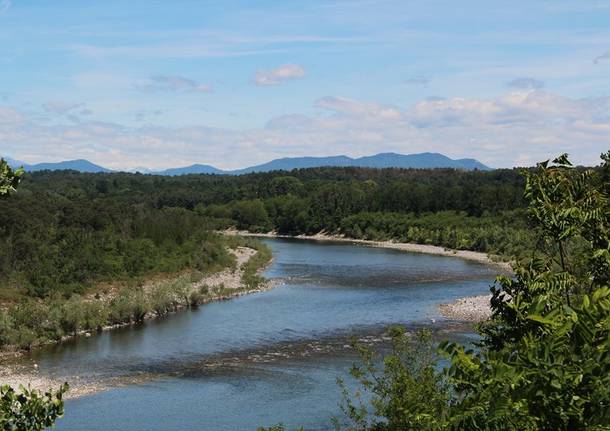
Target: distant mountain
382	160
75	165
15	163
193	169
418	161
290	163
80	165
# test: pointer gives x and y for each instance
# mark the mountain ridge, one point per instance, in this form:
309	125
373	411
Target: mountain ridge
425	160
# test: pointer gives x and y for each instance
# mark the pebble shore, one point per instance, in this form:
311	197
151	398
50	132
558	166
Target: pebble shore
470	309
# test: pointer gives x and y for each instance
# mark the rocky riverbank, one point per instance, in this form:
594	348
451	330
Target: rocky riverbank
471	309
409	247
223	285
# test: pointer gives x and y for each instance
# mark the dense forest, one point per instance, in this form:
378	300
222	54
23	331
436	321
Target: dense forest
458	209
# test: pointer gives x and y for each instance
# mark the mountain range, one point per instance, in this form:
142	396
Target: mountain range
382	160
80	165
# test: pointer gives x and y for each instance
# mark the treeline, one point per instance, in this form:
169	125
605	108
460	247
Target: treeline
459	209
503	234
335	191
60	244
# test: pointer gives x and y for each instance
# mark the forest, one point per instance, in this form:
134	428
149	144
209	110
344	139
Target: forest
475	210
71	263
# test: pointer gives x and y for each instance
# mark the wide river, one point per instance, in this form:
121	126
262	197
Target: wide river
263	358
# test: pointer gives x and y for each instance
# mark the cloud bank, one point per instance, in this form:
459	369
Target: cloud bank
516	128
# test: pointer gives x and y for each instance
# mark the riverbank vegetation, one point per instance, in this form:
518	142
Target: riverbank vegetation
543	361
32	322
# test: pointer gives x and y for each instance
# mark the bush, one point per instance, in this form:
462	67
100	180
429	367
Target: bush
29	409
407	393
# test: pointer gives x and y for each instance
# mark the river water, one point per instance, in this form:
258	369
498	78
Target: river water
264	358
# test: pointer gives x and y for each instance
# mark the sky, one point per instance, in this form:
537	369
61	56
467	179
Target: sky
158	84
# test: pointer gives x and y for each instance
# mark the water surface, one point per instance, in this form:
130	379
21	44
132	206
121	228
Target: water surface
264	358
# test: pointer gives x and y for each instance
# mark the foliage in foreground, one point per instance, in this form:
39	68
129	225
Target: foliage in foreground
404	389
545	356
30	409
9	178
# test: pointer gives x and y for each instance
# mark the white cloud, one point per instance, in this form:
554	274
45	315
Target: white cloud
511	108
279	74
10	117
518	127
174	83
344	105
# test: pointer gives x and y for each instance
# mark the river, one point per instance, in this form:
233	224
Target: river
264	358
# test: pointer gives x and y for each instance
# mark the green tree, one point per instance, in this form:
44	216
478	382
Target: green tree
404	389
544	362
9	178
251	215
286	185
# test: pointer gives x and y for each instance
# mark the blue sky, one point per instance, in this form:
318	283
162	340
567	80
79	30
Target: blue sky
152	83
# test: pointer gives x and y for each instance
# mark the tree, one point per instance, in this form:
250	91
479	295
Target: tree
28	409
251	215
285	185
9	178
544	362
405	390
